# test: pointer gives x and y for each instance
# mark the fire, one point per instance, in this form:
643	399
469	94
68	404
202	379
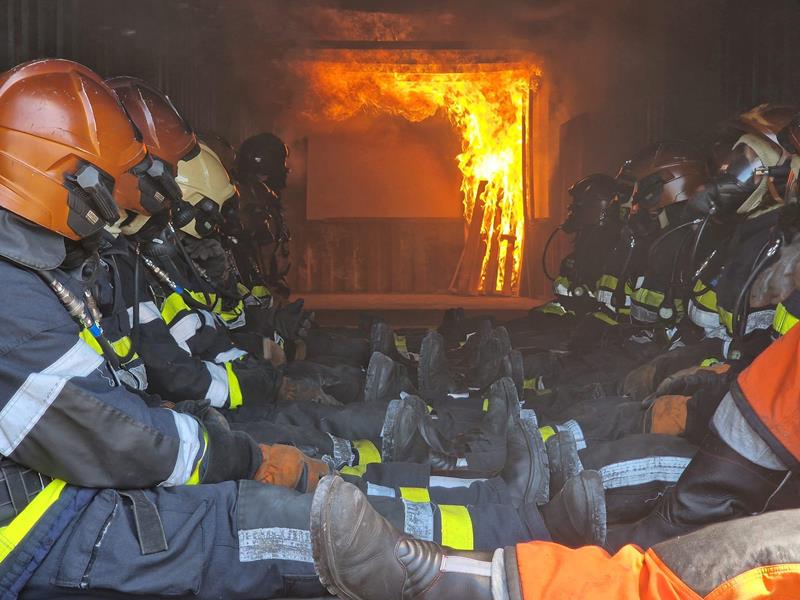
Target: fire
488	104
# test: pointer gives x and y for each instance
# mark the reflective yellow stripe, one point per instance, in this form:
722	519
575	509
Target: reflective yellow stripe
121	347
87	337
485	405
707	299
415	494
194	479
174	304
604	318
552	308
546	432
367	454
13	533
260	292
234	389
725	318
401	344
204	298
456	527
232	314
529	384
783	320
649	298
608	282
709	362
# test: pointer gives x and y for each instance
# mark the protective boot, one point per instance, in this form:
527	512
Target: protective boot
358	554
435	377
386	379
526	473
576	516
382	340
719	484
563	459
401	438
490	359
514	367
503	409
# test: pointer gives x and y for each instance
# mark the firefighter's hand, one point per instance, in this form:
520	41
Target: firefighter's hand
287	467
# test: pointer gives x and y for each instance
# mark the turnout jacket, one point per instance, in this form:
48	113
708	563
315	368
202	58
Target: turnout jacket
65	416
751	558
187	351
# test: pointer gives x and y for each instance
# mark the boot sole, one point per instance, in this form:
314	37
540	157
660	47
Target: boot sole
371	386
388	437
597	498
319	530
424	365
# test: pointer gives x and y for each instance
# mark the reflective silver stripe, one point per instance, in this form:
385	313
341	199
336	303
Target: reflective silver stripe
703	318
209	319
733	429
605	297
373	489
229	355
529	415
148	312
761	319
561	290
39	391
450	482
238	322
217	392
275	543
643	470
644	315
188	451
461	463
343	455
186	327
469	566
418	520
575	429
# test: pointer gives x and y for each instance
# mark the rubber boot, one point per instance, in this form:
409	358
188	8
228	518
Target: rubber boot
576	516
719	484
360	556
435	376
386	379
563	460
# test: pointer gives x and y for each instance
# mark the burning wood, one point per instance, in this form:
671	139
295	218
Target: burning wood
487	103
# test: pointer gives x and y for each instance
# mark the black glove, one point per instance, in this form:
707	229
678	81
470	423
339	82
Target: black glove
688	382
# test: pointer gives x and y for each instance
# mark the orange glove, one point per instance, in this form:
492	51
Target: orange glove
667	415
287	467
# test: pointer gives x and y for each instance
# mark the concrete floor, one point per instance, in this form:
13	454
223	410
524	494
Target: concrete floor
411	310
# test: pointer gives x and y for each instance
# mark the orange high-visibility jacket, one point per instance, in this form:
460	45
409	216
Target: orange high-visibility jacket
768	395
744	559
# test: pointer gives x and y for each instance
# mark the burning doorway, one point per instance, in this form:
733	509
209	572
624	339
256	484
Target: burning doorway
487	98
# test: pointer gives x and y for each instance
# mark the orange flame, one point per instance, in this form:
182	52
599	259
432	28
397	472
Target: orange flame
488	105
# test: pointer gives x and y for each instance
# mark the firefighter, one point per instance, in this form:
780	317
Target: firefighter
748	558
744	460
262	172
594	220
105	491
73	435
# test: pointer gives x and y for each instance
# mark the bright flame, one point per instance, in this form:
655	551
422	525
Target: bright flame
488	105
